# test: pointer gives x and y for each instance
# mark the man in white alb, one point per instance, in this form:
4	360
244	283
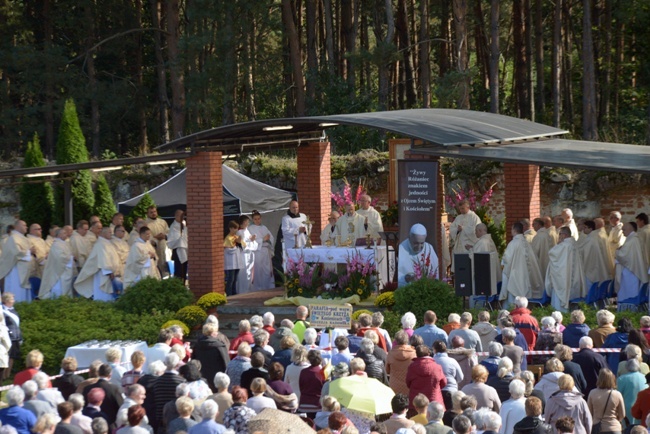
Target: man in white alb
542	243
603	239
463	230
80	243
94	232
414	252
565	279
117	220
529	233
521	275
159	231
177	241
350	226
121	248
616	237
631	269
59	270
595	256
294	229
141	261
97	278
329	233
372	224
15	263
567	215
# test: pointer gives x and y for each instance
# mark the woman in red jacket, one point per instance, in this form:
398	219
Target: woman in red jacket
425	376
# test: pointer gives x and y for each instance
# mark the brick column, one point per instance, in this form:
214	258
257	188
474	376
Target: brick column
522	193
440	197
205	220
315	185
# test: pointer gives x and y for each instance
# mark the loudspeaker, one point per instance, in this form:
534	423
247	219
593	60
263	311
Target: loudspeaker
484	282
463	275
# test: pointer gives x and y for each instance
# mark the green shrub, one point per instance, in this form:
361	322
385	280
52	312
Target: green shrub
153	295
140	210
210	300
392	322
172	322
191	315
36	199
80	320
427	294
104	204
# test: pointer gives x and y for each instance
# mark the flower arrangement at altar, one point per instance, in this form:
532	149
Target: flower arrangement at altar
349	195
359	278
301	278
389	216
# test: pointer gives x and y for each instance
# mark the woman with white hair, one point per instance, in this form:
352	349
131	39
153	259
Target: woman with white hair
548	384
453	323
576	329
547	339
491	363
501	381
605	327
240	364
630	385
514	409
268	319
298	363
223	398
557	316
310	338
632	352
15	415
375	368
408	323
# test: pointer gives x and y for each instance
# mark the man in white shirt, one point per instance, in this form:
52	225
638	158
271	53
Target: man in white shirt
177	241
294	229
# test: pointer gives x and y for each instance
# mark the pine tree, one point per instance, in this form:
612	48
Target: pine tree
140	209
36	199
104	205
71	148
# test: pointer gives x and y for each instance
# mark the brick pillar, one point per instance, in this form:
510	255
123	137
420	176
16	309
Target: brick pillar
315	185
440	197
204	188
522	193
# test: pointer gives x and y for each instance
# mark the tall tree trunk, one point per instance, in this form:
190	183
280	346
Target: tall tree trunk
568	64
589	112
407	53
312	56
348	39
229	56
619	58
462	53
424	47
383	12
530	82
605	84
249	60
176	77
444	57
329	36
49	87
494	56
520	77
89	18
294	56
539	61
482	52
161	74
143	142
556	69
365	83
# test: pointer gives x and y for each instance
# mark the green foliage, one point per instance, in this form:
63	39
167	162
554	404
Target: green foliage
191	315
386	299
152	295
140	210
71	148
104	205
172	322
392	322
80	320
427	294
36	199
210	300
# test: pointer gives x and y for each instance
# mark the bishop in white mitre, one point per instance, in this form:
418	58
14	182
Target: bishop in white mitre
521	274
16	263
372	223
141	262
631	269
59	270
463	230
350	226
98	278
565	279
542	243
595	256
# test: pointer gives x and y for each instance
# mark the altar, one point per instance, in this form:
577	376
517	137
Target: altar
340	255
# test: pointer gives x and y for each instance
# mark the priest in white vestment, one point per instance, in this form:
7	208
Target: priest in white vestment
121	248
350	226
141	261
16	263
372	224
603	239
631	270
643	232
51	235
595	256
117	220
159	231
39	249
80	243
98	278
567	215
462	230
138	222
246	274
565	279
59	270
177	241
548	224
414	252
94	232
529	233
329	233
521	275
485	244
541	244
263	254
294	229
616	237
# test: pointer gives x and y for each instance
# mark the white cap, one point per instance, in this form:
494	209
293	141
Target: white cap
418	229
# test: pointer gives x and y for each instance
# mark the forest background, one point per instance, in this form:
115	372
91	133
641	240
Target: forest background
144	71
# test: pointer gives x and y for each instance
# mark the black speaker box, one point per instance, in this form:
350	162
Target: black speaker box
463	275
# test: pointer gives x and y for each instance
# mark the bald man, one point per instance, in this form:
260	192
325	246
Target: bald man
350	226
595	256
94	232
415	250
372	224
98	278
16	263
329	233
138	223
51	235
294	230
121	247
